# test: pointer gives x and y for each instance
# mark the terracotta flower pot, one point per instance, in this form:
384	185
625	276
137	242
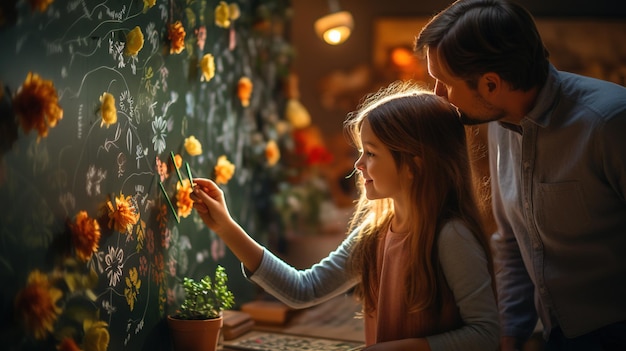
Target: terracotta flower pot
195	335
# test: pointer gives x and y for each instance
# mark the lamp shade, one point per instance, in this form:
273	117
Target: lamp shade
335	27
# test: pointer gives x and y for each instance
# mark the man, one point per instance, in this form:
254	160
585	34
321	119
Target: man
557	148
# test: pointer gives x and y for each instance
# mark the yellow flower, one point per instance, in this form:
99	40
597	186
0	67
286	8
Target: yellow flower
224	170
96	335
36	304
133	284
108	110
148	4
177	37
272	153
85	235
297	114
40	5
134	42
68	344
183	200
244	90
193	146
123	215
178	161
36	104
233	11
222	15
207	65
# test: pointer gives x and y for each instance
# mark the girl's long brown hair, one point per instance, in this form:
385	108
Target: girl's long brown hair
423	132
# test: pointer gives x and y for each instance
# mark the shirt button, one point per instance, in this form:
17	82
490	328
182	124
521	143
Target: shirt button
526	164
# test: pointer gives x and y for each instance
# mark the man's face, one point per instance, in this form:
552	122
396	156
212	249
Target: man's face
472	106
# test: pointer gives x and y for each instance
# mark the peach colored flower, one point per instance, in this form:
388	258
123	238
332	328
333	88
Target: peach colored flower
123	215
108	110
183	200
68	344
178	161
36	304
96	335
272	153
36	104
297	114
222	15
207	65
134	42
40	5
193	146
224	170
85	235
148	4
201	36
244	90
177	37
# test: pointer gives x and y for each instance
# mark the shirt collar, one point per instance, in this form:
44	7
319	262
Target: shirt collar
547	99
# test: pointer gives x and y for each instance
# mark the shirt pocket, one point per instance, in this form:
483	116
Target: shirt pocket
561	209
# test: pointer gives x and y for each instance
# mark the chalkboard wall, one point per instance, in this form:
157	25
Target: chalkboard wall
78	49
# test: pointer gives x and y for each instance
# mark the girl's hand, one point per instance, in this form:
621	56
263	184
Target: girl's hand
209	202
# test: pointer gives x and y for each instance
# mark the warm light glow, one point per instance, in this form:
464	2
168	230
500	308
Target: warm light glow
335	28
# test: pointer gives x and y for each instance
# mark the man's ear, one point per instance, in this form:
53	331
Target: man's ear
489	84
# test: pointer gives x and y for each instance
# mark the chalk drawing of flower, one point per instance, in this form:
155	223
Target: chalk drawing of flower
115	262
159	129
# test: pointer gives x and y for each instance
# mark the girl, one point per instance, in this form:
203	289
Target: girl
415	250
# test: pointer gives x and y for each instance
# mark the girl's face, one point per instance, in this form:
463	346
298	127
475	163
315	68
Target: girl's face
379	170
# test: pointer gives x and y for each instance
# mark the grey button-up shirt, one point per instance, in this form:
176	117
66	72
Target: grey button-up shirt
559	197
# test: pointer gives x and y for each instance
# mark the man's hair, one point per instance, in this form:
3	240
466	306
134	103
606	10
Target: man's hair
474	37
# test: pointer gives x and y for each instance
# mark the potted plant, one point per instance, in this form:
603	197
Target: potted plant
196	325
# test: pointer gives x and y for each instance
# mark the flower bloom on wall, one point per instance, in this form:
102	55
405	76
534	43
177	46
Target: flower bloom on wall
233	11
36	104
123	215
193	146
201	37
244	91
272	153
183	200
134	42
178	161
108	110
177	37
85	235
68	344
222	15
148	4
96	335
224	170
36	304
40	5
297	114
207	65
133	284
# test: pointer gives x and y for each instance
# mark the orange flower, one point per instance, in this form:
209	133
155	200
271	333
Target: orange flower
134	41
68	344
244	90
224	170
85	235
177	37
192	146
36	304
123	215
37	105
178	161
108	110
272	153
40	5
183	200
